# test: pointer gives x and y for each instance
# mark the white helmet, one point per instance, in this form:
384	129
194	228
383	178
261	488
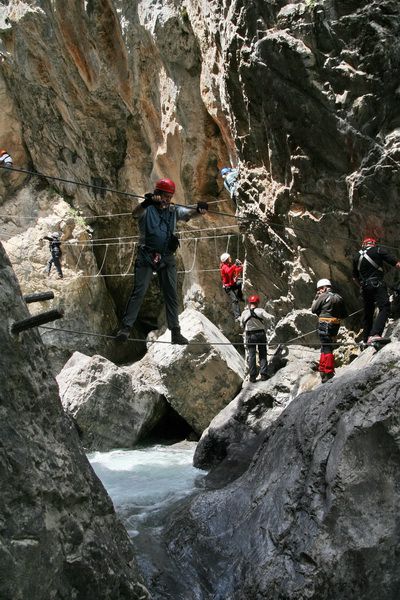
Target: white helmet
323	283
55	234
224	257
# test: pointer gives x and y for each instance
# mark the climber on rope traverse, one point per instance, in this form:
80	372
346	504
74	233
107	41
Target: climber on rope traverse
5	159
230	177
368	274
330	308
56	253
255	321
158	243
231	275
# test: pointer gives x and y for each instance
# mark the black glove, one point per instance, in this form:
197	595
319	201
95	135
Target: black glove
202	206
238	263
148	200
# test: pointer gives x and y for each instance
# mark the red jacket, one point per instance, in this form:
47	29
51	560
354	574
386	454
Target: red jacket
228	274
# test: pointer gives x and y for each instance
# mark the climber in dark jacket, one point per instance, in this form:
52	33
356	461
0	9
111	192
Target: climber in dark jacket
330	309
157	244
55	250
368	274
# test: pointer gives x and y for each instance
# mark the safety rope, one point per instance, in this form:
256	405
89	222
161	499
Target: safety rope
210	343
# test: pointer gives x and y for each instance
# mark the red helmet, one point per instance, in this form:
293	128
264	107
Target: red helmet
165	185
369	241
254	299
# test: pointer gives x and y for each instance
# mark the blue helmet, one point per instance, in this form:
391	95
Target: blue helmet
225	170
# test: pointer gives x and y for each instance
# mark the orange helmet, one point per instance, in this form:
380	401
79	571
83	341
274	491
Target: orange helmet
254	299
165	185
3	152
369	241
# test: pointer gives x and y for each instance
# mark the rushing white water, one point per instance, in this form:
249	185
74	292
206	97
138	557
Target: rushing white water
144	481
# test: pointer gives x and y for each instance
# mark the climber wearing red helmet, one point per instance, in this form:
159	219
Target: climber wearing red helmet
157	219
368	274
255	321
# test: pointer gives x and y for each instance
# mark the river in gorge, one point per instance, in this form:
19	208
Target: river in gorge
143	483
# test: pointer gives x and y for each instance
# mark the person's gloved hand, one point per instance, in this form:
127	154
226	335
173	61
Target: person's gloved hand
148	200
202	207
238	262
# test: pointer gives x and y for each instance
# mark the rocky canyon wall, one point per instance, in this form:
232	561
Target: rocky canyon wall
59	535
301	96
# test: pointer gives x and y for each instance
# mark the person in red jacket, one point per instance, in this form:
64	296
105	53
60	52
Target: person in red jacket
231	276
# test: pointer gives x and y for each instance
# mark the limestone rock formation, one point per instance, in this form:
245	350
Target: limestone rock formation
254	409
112	407
59	535
314	514
118	406
201	378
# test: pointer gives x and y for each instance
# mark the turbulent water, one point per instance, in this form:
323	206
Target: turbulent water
143	482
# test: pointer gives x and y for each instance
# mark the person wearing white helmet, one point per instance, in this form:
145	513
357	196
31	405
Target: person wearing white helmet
330	308
231	274
56	253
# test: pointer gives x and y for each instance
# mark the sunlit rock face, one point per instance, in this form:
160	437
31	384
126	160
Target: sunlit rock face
59	535
301	97
112	407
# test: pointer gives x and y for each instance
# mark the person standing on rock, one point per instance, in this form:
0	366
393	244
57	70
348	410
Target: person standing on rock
56	253
231	276
330	308
254	321
368	274
157	219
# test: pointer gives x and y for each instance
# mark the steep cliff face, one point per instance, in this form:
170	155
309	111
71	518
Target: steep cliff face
302	96
59	536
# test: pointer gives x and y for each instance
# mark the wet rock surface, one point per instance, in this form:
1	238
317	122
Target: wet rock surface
59	535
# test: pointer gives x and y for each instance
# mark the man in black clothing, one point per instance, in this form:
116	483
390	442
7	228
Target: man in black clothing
55	250
368	274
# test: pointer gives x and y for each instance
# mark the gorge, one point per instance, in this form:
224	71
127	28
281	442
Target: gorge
100	98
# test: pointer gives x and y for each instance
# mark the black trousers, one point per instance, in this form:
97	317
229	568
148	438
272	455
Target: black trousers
375	297
234	293
168	283
54	260
256	340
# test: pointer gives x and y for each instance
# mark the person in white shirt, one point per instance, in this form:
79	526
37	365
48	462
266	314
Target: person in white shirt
255	322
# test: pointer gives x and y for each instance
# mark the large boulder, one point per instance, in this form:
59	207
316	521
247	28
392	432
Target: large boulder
254	408
112	408
59	537
315	514
202	377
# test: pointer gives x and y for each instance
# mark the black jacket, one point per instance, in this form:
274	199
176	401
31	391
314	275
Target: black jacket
54	245
363	269
329	305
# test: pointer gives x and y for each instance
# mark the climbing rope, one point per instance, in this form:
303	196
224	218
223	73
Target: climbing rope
211	343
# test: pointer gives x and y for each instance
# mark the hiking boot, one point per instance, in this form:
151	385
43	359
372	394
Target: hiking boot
264	377
123	334
253	379
326	377
177	337
374	338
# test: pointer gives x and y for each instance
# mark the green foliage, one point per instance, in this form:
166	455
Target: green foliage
79	220
311	3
